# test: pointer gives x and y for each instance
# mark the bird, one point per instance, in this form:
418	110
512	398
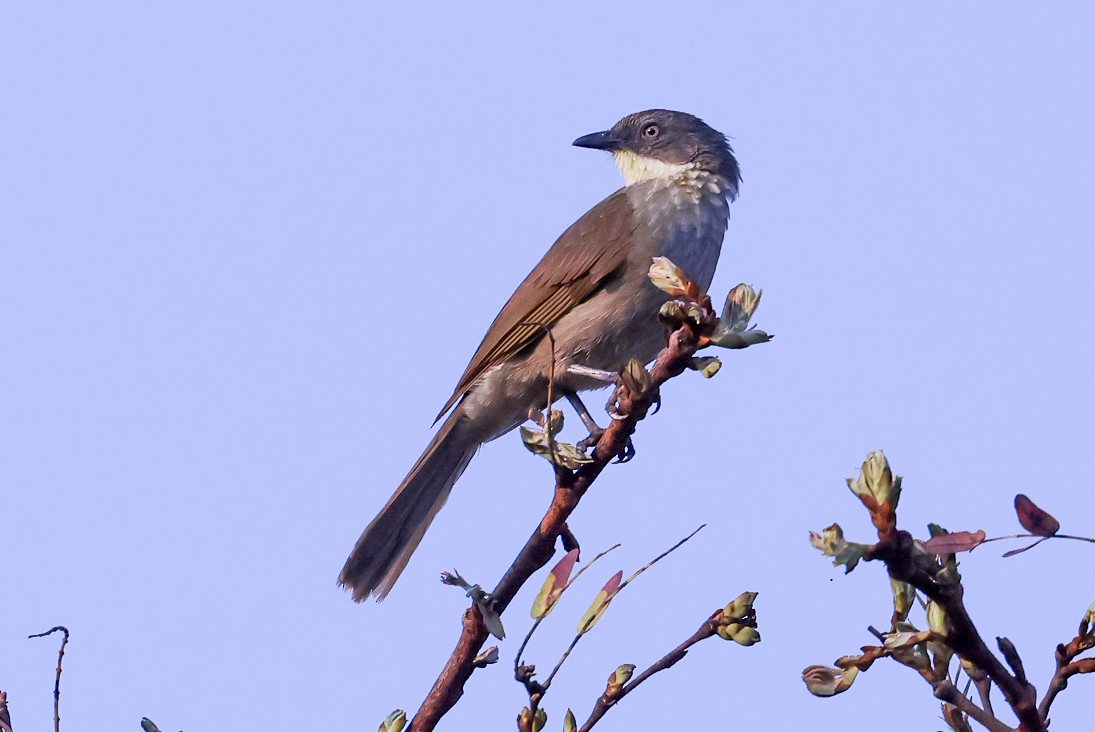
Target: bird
591	291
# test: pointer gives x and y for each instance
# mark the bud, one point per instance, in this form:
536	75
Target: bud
669	278
828	681
618	679
739	607
831	543
876	480
1087	625
937	619
706	365
903	596
908	648
570	724
539	720
486	658
745	635
395	722
636	378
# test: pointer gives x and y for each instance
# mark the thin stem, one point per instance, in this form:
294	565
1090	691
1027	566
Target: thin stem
57	680
660	557
708	629
1040	537
566	654
623	584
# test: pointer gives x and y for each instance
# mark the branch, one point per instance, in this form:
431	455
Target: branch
920	569
1067	667
945	691
5	716
57	681
569	489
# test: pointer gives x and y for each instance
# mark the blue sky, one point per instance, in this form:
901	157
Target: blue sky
249	247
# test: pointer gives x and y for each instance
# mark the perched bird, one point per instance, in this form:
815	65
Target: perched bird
591	289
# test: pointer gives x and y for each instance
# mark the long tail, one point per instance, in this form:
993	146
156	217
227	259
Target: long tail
388	542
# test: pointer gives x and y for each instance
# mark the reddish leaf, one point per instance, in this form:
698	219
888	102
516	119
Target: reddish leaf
1034	519
959	541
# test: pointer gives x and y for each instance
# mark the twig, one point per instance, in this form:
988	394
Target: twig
1040	537
1067	668
947	692
708	629
984	690
658	558
57	681
537	551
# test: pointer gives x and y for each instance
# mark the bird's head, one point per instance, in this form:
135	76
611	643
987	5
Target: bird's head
662	144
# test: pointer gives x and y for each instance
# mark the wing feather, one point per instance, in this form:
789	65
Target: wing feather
587	253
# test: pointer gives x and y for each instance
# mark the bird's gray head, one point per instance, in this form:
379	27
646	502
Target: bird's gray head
662	144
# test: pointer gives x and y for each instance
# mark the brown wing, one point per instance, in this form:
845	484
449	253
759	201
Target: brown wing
588	252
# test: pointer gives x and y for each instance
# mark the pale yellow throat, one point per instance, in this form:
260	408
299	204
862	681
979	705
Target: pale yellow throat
639	169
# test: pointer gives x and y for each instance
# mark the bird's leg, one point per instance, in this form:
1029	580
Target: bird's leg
609	378
595	431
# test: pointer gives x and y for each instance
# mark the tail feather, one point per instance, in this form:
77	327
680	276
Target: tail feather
387	543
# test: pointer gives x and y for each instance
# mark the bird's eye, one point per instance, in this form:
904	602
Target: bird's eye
651	131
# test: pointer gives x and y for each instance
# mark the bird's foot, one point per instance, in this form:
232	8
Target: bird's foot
595	436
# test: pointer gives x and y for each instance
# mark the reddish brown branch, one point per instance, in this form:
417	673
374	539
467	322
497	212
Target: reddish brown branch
538	550
920	569
1067	667
708	629
5	715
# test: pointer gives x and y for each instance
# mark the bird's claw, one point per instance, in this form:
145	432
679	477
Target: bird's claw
591	441
595	436
612	407
627	454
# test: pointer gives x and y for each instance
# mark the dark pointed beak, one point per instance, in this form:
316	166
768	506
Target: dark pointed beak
599	141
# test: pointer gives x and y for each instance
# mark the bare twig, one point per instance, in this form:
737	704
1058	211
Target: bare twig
569	489
708	629
660	557
984	690
1067	667
57	680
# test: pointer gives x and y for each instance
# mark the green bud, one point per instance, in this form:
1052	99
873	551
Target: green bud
395	722
876	481
739	607
618	679
937	618
745	635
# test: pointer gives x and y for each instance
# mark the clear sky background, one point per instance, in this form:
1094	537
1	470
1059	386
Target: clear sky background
249	247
